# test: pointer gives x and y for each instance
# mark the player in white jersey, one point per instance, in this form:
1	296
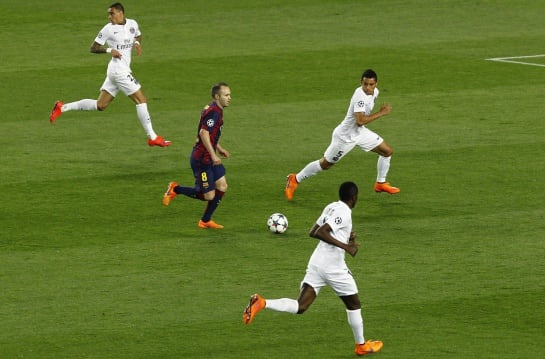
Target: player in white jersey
351	132
327	267
120	35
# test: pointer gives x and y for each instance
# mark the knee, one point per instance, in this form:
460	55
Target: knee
208	196
302	309
222	187
353	306
324	164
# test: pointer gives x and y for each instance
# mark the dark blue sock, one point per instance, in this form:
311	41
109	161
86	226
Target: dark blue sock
212	205
187	191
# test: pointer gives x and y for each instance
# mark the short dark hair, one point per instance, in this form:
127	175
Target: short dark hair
370	74
216	88
347	191
118	6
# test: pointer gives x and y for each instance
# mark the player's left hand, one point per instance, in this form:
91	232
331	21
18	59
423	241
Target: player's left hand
138	49
353	248
224	153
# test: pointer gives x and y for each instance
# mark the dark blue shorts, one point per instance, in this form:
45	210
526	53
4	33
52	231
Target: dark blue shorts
206	175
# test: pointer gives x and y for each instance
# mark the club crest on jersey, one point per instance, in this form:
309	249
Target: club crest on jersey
361	103
132	30
338	220
210	122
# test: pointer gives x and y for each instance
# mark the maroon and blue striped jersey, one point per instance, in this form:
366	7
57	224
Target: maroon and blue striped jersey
211	121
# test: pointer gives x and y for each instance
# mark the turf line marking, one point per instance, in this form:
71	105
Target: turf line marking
513	58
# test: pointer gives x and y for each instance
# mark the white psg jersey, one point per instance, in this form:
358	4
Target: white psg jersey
120	38
360	102
339	217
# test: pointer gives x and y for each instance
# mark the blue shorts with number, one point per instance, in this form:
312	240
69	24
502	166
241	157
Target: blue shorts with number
206	175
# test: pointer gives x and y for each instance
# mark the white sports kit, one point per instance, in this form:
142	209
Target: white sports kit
118	75
348	134
326	265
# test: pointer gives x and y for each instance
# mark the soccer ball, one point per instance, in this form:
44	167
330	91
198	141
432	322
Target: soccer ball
277	223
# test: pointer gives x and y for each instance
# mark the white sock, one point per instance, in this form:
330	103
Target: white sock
355	321
145	120
383	166
283	305
81	105
310	170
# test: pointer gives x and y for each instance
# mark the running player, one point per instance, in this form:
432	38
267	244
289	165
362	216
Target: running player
352	132
327	267
208	169
121	35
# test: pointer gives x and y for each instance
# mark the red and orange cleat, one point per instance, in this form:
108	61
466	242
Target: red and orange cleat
56	111
159	141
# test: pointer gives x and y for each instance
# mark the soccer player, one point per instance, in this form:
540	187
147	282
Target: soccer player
208	169
327	267
121	35
352	132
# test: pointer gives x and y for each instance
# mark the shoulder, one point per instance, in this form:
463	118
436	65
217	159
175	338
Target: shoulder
358	94
376	92
132	24
104	33
106	29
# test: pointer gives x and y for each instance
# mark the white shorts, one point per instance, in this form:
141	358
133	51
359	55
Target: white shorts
366	140
120	81
338	278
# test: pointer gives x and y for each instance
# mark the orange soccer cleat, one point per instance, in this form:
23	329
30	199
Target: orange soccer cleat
291	186
169	194
385	187
209	224
254	306
369	347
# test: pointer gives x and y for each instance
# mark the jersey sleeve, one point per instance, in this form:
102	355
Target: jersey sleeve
102	35
358	102
210	120
337	220
136	30
336	217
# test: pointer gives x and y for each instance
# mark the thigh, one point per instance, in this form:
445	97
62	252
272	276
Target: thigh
219	174
126	83
109	86
368	140
337	149
342	282
204	176
313	277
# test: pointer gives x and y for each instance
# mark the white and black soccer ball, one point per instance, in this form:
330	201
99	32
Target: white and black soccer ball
277	223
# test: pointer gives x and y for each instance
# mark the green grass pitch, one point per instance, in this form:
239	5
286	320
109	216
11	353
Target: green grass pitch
93	266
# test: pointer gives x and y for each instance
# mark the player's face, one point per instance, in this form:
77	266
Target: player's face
115	16
368	85
224	97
